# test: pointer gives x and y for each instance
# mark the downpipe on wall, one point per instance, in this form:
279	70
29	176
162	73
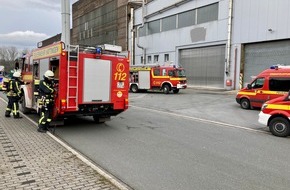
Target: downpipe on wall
228	50
138	30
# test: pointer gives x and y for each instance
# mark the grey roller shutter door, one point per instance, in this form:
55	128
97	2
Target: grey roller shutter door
261	56
204	66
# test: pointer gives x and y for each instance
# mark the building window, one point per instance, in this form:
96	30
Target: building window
149	59
156	58
169	23
86	26
186	19
84	34
88	33
207	13
166	57
154	27
141	59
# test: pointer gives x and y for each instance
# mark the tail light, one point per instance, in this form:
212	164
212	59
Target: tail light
126	103
63	104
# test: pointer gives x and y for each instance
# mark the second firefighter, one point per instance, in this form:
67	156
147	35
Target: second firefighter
46	92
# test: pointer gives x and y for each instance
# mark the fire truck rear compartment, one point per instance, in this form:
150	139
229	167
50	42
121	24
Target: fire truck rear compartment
97	80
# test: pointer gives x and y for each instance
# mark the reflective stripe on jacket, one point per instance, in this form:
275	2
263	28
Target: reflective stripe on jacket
14	88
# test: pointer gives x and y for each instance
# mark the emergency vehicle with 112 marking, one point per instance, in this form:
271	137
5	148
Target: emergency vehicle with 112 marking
88	81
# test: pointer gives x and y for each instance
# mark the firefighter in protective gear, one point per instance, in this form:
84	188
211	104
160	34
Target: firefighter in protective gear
14	94
46	92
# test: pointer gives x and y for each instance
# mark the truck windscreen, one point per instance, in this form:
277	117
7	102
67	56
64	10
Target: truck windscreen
180	73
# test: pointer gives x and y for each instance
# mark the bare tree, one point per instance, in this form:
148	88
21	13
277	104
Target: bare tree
8	55
3	54
12	53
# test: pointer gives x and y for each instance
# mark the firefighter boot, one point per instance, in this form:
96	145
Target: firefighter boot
47	127
17	116
7	114
41	128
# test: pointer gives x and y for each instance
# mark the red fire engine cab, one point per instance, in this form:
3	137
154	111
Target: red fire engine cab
88	81
150	77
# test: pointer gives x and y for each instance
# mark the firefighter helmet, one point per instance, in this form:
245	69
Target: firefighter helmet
49	74
16	74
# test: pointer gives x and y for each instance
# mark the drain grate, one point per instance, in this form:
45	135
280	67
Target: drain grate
16	167
24	173
28	182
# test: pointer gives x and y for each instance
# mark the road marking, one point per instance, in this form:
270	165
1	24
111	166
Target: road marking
202	120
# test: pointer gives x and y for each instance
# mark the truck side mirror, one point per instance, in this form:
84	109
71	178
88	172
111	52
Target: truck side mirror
249	86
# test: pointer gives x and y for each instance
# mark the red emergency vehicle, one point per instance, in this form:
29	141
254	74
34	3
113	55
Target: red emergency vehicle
161	77
269	84
276	114
88	81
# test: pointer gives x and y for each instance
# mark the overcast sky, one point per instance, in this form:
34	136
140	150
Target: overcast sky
23	23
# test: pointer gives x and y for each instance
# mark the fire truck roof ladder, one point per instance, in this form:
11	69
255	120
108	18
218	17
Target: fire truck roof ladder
72	79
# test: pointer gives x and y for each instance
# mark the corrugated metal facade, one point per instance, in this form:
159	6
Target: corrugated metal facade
261	56
262	29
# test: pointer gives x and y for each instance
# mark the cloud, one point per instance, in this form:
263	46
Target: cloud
22	38
51	5
27	22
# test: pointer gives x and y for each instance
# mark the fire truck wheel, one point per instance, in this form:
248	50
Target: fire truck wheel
134	88
245	103
22	107
280	127
175	91
166	88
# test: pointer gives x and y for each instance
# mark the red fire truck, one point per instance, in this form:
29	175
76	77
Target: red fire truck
88	81
150	77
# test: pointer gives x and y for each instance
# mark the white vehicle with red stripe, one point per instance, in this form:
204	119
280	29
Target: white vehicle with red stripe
276	115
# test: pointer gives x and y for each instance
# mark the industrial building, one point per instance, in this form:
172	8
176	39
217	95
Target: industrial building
99	22
221	43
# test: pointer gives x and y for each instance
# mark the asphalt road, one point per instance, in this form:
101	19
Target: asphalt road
192	140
